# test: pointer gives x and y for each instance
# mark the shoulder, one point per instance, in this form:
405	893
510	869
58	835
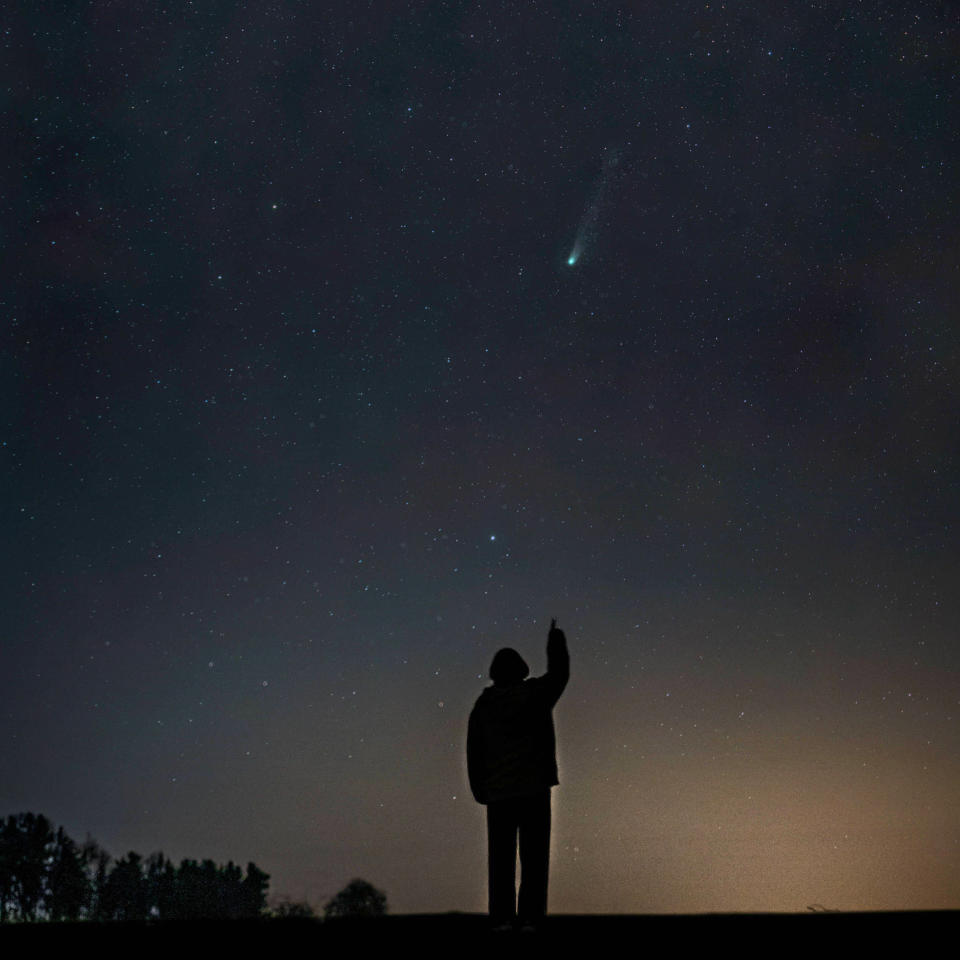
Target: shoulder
482	701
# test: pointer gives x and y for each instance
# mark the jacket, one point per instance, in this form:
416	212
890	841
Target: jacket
511	746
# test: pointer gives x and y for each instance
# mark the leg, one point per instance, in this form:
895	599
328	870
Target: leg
534	856
502	860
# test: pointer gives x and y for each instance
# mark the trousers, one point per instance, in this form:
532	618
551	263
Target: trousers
529	818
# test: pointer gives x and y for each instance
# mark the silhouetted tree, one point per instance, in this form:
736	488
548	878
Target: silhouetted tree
357	899
97	862
160	877
68	885
27	841
47	875
188	896
125	894
7	870
230	891
206	891
209	889
253	898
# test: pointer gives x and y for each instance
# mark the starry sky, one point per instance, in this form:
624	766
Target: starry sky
306	412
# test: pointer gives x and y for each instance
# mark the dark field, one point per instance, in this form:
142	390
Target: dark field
466	934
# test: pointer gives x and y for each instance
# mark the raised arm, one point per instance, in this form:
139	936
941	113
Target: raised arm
558	663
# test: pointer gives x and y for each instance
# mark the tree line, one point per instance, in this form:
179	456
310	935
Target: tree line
46	875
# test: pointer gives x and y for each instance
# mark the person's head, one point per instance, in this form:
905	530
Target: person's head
508	667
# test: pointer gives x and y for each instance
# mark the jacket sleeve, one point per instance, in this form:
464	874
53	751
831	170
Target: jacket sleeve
558	665
476	763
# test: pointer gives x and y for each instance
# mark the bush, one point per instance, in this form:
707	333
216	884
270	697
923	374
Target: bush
294	909
357	899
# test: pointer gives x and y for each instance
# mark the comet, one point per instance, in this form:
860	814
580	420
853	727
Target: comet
597	201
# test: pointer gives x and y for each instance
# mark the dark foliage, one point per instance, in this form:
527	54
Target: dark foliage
67	883
293	910
357	899
45	875
26	849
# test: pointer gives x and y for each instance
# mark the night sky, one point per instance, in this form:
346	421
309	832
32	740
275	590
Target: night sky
306	412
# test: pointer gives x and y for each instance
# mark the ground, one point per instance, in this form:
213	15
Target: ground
466	934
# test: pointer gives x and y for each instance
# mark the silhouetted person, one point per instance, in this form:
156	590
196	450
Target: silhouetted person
512	764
